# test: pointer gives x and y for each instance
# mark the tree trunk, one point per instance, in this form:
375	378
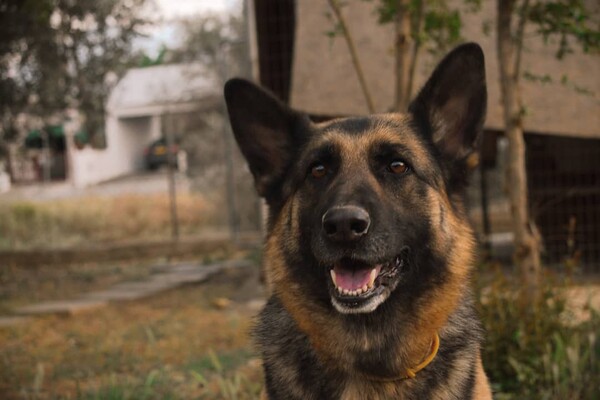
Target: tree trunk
403	45
527	241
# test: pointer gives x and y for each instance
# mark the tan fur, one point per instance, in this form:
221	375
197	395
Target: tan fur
354	150
482	389
459	372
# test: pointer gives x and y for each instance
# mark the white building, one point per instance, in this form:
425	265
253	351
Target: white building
133	118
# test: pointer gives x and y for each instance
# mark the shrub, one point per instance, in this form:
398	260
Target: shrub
538	349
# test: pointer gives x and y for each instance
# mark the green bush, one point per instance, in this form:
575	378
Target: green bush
538	349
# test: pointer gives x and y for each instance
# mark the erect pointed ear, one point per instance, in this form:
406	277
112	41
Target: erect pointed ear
451	106
266	130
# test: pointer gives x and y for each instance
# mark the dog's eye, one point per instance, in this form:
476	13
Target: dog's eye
398	167
318	171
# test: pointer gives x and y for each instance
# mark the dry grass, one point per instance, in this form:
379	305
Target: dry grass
183	345
87	221
24	284
173	346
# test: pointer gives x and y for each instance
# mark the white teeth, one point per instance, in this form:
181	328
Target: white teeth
356	292
360	290
372	277
333	277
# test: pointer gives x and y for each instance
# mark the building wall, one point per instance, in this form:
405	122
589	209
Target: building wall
324	80
124	152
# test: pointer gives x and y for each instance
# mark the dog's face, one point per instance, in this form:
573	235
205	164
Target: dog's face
361	186
363	210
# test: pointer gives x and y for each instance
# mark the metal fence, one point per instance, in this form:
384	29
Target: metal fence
564	196
564	172
564	185
212	192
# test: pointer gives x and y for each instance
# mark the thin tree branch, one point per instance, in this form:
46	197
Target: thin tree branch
524	15
416	47
403	43
353	55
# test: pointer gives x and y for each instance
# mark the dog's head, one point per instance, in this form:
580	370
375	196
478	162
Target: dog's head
364	211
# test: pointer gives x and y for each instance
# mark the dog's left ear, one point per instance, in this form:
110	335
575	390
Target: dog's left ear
451	106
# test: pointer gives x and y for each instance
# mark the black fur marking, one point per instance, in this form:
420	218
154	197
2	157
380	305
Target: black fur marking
352	125
469	385
284	347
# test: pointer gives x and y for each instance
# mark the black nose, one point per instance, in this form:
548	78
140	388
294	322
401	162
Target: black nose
346	223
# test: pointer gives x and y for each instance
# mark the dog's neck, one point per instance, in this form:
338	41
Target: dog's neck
363	346
410	372
413	349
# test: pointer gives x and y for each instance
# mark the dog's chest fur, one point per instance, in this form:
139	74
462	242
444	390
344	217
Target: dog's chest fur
296	371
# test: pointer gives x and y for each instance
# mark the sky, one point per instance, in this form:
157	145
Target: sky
180	8
169	10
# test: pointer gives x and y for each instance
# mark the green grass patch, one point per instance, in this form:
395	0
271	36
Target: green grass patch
155	386
222	362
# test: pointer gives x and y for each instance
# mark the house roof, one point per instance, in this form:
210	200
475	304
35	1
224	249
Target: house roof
162	89
324	81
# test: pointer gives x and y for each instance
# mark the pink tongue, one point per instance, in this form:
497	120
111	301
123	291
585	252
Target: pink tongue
351	279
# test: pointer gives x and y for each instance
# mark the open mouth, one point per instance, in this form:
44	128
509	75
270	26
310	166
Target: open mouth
360	287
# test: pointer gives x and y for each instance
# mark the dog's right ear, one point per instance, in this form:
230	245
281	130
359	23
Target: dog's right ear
451	106
266	130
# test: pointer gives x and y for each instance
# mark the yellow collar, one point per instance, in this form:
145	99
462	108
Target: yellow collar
412	372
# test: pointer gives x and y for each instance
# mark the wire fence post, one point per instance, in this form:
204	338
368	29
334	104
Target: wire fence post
171	176
234	225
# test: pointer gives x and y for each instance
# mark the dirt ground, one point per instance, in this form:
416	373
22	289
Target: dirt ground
191	342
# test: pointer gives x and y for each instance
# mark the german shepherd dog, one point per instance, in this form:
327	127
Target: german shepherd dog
368	251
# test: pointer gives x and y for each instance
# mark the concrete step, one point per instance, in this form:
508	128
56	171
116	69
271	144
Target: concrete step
6	322
166	278
62	307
